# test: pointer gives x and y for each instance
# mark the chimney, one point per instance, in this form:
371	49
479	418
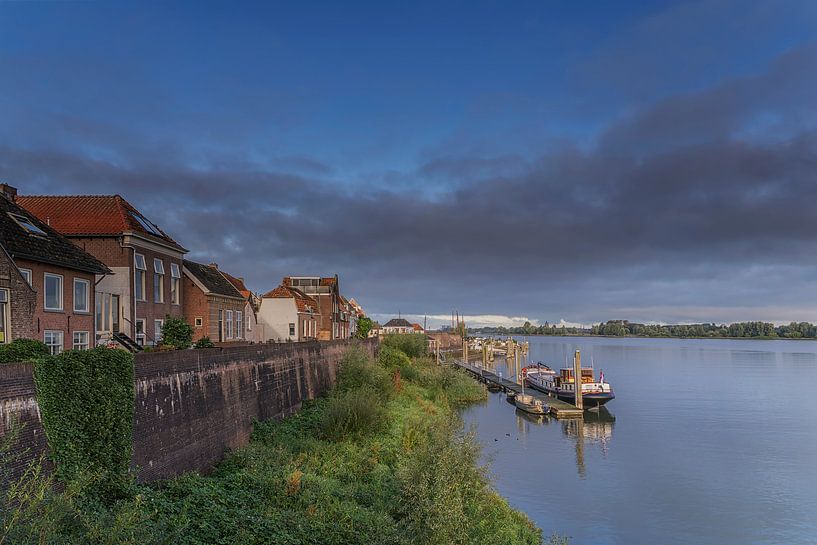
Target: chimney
214	265
9	191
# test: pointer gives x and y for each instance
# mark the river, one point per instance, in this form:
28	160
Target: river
707	442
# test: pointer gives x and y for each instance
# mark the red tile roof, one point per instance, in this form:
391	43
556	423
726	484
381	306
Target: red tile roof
238	283
302	300
95	215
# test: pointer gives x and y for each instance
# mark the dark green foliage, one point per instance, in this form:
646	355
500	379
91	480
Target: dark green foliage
86	400
353	413
22	350
176	332
204	342
414	345
364	326
357	370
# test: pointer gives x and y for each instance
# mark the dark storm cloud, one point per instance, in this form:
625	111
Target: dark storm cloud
688	195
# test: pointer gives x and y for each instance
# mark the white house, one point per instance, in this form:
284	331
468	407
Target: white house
288	314
398	325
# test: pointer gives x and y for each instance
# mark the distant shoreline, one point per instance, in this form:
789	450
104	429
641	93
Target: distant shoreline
648	337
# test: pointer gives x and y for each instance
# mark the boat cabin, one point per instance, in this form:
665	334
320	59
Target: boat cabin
566	375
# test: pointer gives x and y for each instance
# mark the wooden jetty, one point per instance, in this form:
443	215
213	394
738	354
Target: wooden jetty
558	408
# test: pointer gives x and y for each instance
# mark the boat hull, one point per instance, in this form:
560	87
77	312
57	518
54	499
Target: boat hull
589	401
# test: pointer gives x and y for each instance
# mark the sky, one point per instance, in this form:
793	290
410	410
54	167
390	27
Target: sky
545	161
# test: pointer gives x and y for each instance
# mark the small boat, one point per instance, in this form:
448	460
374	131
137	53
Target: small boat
494	388
561	385
530	404
510	394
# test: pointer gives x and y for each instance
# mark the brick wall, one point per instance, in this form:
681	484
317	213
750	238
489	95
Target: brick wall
193	405
19	411
22	302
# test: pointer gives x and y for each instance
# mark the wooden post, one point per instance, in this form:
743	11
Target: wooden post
577	379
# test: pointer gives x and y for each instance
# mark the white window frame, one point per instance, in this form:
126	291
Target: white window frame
228	321
140	273
87	283
46	276
305	328
175	284
249	322
157	332
54	334
158	272
291	329
158	265
199	321
28	276
139	336
5	303
79	345
239	323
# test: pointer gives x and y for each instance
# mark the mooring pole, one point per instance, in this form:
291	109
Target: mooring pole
577	379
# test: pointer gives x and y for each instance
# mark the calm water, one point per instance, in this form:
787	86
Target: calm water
707	442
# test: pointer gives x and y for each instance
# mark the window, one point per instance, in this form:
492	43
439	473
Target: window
249	322
80	340
175	281
229	324
304	329
158	281
4	317
199	321
239	324
291	330
53	292
53	340
82	295
140	332
220	325
141	268
157	330
27	275
27	224
148	226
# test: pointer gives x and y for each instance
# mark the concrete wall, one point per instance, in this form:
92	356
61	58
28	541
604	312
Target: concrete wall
193	405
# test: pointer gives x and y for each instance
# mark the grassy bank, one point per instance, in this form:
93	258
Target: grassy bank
381	460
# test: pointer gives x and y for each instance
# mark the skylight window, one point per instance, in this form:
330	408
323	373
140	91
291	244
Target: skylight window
147	225
27	224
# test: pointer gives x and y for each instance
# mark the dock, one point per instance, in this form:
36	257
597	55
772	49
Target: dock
558	408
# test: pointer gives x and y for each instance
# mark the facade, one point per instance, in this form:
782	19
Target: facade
253	330
60	276
288	314
326	292
147	282
398	325
212	304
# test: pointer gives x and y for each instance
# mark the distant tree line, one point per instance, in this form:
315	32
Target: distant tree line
623	328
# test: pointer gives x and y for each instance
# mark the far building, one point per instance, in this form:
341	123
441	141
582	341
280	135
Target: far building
55	300
288	314
326	292
398	325
253	331
212	304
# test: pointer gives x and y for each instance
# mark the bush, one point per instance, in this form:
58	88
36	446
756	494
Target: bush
204	342
353	413
177	333
86	401
357	370
414	345
22	350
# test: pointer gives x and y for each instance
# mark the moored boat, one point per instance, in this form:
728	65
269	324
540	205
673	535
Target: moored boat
561	385
530	404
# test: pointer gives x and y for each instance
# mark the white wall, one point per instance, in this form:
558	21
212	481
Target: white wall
275	315
118	284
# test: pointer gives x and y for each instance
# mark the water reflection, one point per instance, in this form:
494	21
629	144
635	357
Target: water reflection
595	428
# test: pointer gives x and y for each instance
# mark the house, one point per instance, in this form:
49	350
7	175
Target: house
326	292
253	330
417	328
60	276
398	325
288	314
147	282
212	304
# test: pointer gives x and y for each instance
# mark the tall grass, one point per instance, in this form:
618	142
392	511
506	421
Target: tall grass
414	345
353	413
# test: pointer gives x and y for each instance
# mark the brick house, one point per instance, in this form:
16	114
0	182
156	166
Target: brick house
324	290
288	314
146	285
60	278
398	325
253	330
212	304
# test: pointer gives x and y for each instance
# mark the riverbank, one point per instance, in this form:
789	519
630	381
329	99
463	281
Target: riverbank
382	459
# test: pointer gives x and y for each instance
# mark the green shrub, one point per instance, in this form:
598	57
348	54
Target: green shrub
414	345
176	332
204	342
353	413
22	350
357	370
86	401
